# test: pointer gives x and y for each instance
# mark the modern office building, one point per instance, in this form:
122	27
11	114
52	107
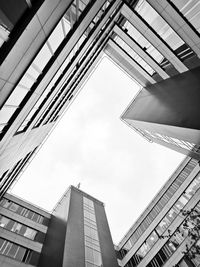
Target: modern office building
49	48
159	237
166	111
76	233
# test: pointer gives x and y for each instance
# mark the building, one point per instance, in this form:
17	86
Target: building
166	111
159	237
76	233
48	49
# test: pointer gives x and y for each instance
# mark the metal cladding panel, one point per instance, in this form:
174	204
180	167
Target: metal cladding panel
74	251
174	101
54	244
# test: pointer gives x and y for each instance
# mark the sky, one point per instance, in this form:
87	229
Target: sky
92	146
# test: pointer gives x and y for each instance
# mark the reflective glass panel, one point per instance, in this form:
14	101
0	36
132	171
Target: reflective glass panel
163	29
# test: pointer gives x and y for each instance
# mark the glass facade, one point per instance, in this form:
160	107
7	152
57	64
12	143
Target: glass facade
172	244
143	42
190	10
39	63
162	227
160	26
14	251
17	227
12	206
172	140
182	176
142	63
50	114
92	246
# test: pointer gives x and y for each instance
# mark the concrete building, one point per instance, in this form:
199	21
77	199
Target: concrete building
166	111
49	48
76	233
159	237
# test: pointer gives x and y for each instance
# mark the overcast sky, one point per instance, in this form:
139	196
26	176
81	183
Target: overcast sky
92	146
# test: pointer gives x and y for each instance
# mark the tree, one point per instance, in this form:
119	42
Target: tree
190	228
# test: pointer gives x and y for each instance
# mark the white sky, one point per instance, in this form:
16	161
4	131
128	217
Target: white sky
92	146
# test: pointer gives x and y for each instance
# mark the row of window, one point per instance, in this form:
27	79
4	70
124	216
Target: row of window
134	55
172	140
166	221
37	66
160	26
50	113
6	203
14	251
17	227
92	247
159	206
9	176
191	11
143	42
163	29
172	245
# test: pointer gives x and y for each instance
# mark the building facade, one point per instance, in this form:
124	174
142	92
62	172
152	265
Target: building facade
76	233
48	49
159	236
166	111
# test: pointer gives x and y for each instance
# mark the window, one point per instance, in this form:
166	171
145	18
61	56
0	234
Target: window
12	250
92	246
143	42
21	210
191	10
134	55
159	24
14	207
17	227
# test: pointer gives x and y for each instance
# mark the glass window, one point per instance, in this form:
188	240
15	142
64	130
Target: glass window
143	42
35	217
26	81
5	203
17	96
159	24
20	254
13	207
42	57
4	33
33	71
97	258
88	254
7	248
6	112
4	221
29	214
56	37
12	251
134	55
16	227
30	233
23	230
191	10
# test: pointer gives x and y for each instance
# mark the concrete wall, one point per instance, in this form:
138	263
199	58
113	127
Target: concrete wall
64	245
169	107
107	249
174	101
